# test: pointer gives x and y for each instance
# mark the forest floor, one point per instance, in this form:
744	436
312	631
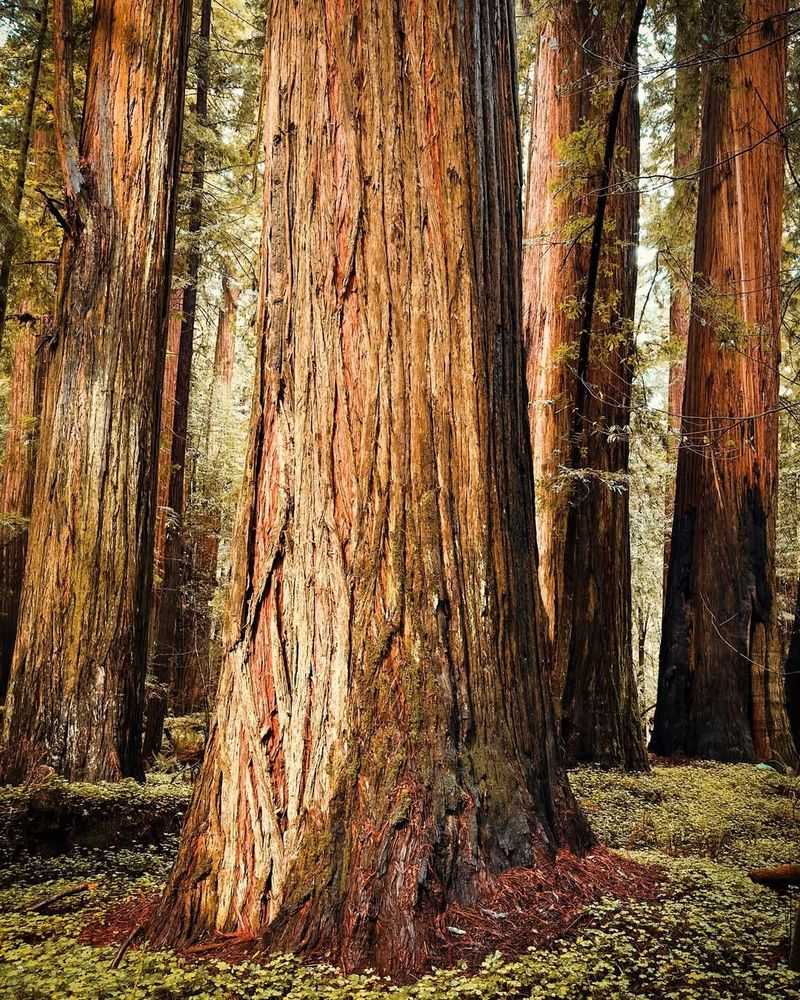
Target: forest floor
707	932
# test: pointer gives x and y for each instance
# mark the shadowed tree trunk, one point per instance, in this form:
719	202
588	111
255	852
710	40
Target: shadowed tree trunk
77	682
22	165
792	673
384	738
588	611
683	213
157	692
170	643
16	485
720	691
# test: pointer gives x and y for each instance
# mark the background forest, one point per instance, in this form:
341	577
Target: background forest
303	309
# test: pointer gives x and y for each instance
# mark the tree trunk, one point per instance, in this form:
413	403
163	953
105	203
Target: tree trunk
16	486
720	692
22	165
683	214
200	663
157	692
384	738
77	681
792	674
170	647
588	611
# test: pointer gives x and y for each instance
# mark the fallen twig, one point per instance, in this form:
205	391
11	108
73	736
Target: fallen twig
123	948
72	890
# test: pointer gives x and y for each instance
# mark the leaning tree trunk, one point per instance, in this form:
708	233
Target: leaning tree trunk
77	680
18	190
16	485
170	651
683	212
589	610
720	691
384	738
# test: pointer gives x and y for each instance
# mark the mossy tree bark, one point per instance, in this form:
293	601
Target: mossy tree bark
588	611
16	483
720	691
384	737
77	681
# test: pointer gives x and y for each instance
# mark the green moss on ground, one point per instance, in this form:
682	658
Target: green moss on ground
713	935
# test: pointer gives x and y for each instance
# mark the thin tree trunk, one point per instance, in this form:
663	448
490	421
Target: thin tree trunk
582	475
77	681
16	485
686	124
202	653
157	692
170	650
22	166
384	739
720	691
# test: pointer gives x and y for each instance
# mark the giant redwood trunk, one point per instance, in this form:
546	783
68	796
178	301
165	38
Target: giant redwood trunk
384	739
77	681
16	485
588	605
683	210
720	691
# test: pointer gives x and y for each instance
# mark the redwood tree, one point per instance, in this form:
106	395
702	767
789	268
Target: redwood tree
683	210
20	174
169	649
720	691
384	739
200	661
586	586
16	483
77	682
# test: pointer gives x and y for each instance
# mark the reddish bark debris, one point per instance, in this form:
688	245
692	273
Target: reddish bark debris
115	925
520	909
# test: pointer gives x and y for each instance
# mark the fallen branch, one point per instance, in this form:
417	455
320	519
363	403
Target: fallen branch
779	877
137	931
73	890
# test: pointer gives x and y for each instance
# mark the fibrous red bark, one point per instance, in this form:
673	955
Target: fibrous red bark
77	681
720	690
383	742
586	585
